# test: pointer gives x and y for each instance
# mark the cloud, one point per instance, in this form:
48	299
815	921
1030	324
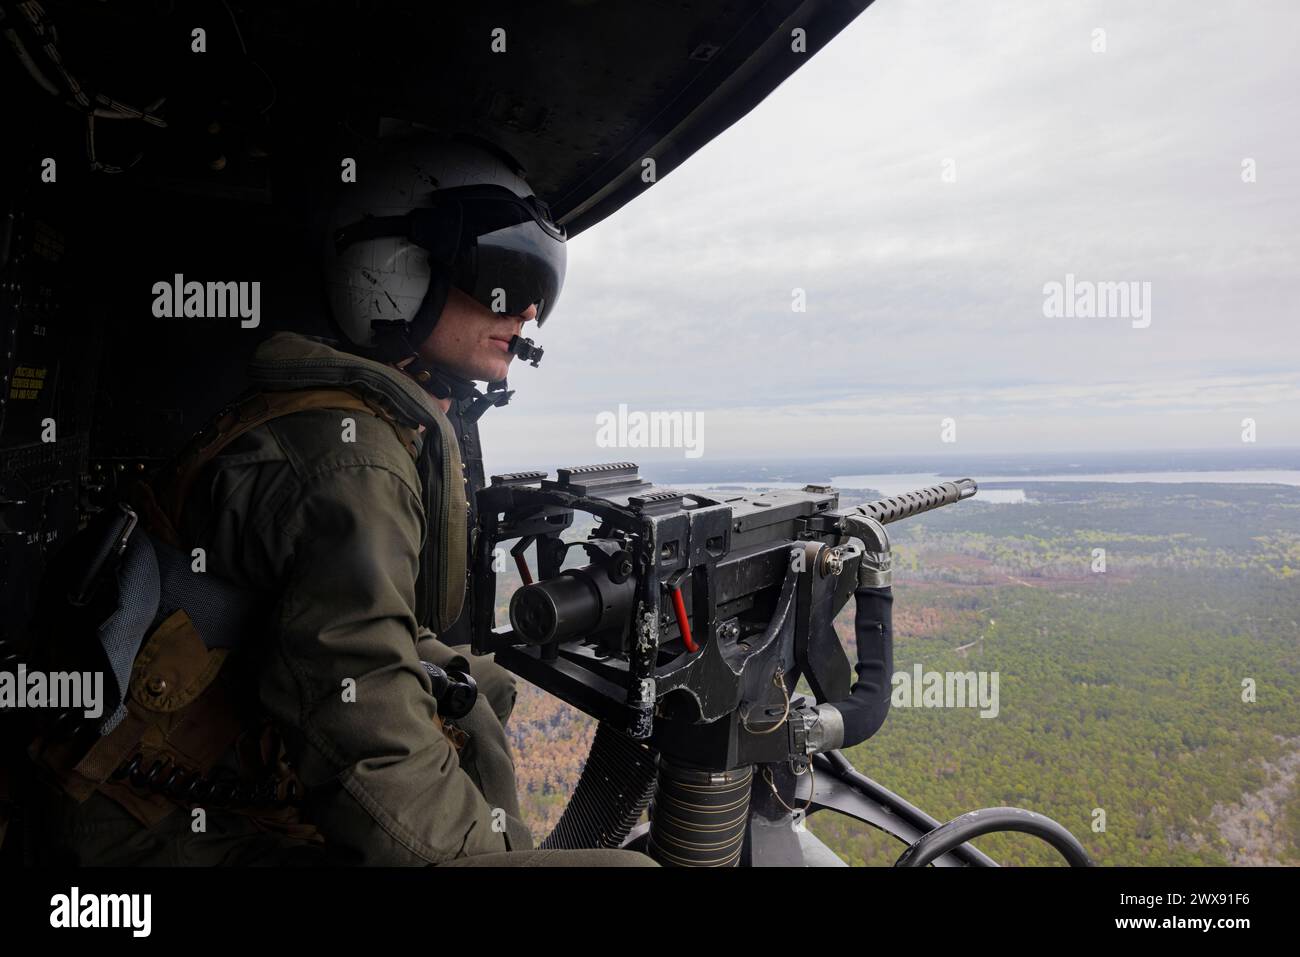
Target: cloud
925	295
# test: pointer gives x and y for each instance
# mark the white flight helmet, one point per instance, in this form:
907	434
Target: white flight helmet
426	213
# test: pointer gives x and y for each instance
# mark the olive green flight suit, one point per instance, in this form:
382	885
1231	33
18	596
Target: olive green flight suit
328	516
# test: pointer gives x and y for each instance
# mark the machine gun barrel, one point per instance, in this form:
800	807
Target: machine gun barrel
898	507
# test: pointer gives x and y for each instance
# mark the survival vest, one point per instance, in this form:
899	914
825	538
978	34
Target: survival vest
172	712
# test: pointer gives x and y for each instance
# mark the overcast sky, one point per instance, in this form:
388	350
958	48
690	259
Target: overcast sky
925	298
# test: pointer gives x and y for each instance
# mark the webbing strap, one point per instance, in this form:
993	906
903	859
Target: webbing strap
122	633
223	613
248	414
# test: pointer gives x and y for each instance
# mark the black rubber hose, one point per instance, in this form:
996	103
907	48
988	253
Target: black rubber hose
961	829
867	705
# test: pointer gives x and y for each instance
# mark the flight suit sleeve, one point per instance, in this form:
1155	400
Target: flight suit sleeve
345	683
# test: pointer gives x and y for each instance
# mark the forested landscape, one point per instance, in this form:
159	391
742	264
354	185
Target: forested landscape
1152	707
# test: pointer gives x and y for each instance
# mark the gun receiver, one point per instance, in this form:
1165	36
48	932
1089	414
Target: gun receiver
698	611
688	630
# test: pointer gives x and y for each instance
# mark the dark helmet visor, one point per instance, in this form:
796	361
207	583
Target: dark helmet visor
510	269
502	249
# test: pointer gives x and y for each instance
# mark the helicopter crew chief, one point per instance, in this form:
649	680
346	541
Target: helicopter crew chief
355	508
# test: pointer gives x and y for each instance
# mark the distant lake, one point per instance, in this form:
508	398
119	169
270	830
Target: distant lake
897	483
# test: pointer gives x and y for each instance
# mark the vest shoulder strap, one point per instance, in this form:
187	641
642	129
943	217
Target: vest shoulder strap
161	507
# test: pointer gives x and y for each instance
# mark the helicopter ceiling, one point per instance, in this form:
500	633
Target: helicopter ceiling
580	92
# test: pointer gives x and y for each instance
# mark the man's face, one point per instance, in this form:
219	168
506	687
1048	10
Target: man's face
471	340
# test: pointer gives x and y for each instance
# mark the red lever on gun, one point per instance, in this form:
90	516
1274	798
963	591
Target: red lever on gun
683	624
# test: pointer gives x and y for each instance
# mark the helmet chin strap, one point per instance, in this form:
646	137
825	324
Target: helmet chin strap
397	340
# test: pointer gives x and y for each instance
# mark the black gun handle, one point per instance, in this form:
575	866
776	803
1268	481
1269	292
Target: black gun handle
454	691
